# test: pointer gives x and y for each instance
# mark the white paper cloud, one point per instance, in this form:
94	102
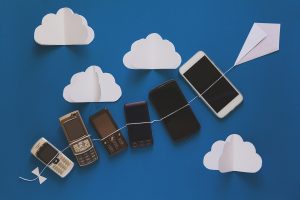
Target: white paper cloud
92	86
152	53
63	28
233	155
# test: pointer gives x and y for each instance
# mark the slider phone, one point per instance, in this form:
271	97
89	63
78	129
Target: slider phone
167	98
140	135
107	130
52	157
78	138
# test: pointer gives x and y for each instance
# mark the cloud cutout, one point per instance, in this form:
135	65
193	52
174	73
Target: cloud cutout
92	85
63	28
233	155
153	52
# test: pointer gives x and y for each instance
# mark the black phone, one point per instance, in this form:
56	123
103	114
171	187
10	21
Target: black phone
140	135
108	131
167	98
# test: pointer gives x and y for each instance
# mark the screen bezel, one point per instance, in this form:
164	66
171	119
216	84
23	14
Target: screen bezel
72	116
226	109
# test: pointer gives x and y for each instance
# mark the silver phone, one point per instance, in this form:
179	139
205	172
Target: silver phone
51	156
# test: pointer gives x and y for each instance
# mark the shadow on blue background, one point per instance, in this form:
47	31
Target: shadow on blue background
33	78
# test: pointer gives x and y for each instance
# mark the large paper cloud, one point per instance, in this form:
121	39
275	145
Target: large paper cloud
63	28
233	155
153	52
92	86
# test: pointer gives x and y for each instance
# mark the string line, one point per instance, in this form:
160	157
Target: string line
134	123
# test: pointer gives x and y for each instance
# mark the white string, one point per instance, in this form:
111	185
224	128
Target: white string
134	123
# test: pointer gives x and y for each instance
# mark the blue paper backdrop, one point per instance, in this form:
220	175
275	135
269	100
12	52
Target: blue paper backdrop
33	78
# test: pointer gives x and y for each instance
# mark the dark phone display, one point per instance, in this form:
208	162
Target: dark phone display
202	75
103	123
74	128
46	153
139	134
168	98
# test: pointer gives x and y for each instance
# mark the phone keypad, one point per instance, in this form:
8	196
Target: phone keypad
82	145
61	164
88	157
115	143
142	143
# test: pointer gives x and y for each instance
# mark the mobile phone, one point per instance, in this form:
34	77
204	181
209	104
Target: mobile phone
172	107
78	138
140	135
107	129
49	155
210	84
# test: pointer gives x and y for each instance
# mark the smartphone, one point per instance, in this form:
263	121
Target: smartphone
49	155
78	138
174	110
107	129
140	135
202	75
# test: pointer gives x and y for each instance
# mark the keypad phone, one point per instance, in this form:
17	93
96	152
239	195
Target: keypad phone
78	138
52	157
140	135
107	129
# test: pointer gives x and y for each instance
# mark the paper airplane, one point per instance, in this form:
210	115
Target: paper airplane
263	39
36	172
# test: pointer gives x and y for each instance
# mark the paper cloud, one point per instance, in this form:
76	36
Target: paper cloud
92	86
153	52
233	155
63	28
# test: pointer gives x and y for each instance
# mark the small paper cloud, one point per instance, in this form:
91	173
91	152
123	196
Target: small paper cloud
153	52
63	28
92	86
233	155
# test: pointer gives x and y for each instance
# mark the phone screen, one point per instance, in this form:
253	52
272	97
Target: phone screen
104	123
135	113
202	75
75	129
46	153
168	98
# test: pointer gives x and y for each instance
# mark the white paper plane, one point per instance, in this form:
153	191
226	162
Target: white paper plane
263	39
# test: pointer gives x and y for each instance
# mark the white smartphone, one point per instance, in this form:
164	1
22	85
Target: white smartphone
202	75
51	156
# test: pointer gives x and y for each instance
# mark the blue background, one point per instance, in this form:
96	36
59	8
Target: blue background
33	78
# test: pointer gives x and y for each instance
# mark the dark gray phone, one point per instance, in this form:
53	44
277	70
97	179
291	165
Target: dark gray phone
167	98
